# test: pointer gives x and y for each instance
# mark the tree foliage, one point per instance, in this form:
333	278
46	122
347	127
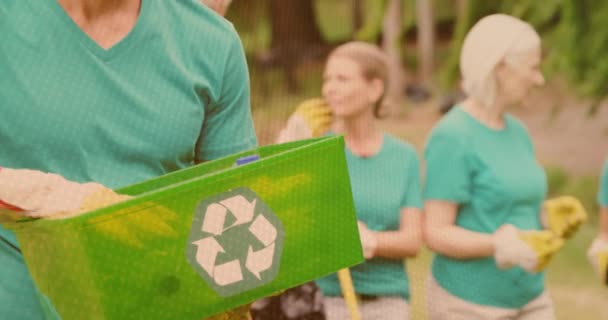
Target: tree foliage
573	40
573	45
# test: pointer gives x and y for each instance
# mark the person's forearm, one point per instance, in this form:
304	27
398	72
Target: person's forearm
459	243
398	244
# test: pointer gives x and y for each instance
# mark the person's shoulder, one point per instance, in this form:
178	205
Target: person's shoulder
197	21
454	126
399	145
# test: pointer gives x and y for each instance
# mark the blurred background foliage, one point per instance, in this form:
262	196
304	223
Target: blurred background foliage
287	41
285	34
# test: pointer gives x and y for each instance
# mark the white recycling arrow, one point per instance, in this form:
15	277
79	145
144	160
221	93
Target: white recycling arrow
261	260
228	273
215	217
241	209
206	253
262	229
214	223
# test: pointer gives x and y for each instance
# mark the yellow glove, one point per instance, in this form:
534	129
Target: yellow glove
530	250
544	243
311	119
240	313
598	257
563	215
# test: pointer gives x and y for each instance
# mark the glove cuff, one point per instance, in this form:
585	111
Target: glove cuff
510	250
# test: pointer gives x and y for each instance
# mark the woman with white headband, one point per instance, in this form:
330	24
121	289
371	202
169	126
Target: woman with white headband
484	187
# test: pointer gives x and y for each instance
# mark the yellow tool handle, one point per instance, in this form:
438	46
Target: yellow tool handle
348	292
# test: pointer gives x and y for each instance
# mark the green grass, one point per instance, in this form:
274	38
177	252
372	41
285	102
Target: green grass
576	290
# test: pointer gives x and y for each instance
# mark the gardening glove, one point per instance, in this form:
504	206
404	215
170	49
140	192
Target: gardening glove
598	257
369	243
530	250
37	194
563	215
544	243
311	119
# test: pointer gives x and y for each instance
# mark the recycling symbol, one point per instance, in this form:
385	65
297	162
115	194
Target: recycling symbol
235	242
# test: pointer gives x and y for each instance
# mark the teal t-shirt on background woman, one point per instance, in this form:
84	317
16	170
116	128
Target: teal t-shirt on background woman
495	179
382	185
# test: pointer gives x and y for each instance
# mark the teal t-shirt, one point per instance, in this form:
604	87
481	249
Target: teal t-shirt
495	179
173	92
602	196
381	185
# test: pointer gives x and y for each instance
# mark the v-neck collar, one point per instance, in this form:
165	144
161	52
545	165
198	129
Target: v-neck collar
373	156
90	44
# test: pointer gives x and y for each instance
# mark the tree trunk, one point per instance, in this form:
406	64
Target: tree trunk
426	39
357	16
294	33
390	44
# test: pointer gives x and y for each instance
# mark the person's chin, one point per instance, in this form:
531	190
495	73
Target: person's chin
338	112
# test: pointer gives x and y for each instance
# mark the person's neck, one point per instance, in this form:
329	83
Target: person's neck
490	116
361	135
90	10
105	21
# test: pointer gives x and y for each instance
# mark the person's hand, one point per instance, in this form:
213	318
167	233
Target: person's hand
311	119
530	250
369	243
598	257
37	194
563	215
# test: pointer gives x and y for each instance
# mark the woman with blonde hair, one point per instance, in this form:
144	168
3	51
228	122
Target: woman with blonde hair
484	187
385	182
384	175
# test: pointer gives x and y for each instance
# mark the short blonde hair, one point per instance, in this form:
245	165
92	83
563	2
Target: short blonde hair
372	61
493	39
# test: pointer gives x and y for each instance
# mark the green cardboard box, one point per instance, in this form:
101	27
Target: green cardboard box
202	240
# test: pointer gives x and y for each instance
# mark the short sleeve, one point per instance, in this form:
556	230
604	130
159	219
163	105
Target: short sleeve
448	173
228	126
602	196
412	196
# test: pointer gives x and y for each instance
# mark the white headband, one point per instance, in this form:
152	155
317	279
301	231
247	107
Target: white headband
484	47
